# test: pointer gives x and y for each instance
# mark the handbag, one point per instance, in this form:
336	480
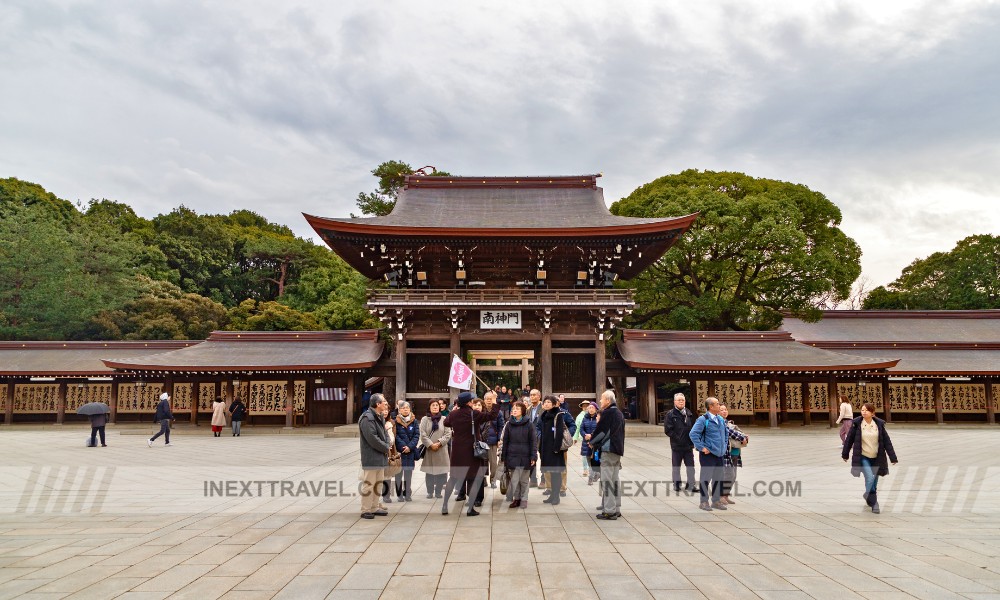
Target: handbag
567	437
480	449
395	464
504	479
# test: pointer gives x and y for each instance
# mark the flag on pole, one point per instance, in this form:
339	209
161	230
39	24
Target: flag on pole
460	375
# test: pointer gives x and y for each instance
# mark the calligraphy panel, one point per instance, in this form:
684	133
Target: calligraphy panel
499	319
132	399
701	392
3	397
760	401
793	397
206	396
77	396
36	398
907	397
182	398
267	397
859	394
963	398
736	395
819	399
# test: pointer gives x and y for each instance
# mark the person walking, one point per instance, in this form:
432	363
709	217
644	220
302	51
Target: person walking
586	424
872	451
736	441
407	440
435	438
218	416
239	412
467	470
519	452
375	445
97	424
845	418
677	425
163	416
710	435
609	439
552	456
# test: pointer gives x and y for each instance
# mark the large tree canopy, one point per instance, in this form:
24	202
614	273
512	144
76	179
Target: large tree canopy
759	247
965	278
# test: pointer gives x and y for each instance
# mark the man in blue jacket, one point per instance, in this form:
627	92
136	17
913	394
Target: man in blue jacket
711	441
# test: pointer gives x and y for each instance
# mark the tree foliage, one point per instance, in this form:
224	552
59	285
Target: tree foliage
965	278
252	315
758	248
162	312
391	178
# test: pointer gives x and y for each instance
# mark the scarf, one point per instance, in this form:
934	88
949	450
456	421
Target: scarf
434	421
404	421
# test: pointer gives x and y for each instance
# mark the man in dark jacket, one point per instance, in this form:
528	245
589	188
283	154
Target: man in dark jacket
163	416
609	438
374	456
677	425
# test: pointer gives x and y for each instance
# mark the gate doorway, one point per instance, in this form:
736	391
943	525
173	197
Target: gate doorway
512	369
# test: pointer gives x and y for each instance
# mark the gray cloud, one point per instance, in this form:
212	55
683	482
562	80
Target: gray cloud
284	108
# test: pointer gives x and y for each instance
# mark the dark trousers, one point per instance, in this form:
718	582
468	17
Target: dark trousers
93	435
683	456
711	476
554	477
468	480
164	431
404	479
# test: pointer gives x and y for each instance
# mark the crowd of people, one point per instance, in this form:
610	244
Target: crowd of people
526	443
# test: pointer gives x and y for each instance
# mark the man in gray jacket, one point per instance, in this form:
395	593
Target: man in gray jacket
374	456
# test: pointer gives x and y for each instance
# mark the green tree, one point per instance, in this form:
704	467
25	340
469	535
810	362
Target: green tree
391	178
162	312
759	247
252	315
15	194
334	292
965	278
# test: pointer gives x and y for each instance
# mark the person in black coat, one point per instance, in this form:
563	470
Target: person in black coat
519	451
677	425
553	458
609	438
467	471
873	450
239	412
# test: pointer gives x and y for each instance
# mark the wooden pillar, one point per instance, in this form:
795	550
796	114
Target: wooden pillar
700	408
525	373
886	405
455	344
650	398
352	397
832	400
600	369
195	398
8	417
782	402
289	404
61	403
991	417
546	363
806	405
400	370
938	403
114	402
772	402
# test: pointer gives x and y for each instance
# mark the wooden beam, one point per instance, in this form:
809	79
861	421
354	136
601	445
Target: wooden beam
600	368
289	404
938	403
651	398
546	360
806	405
990	407
885	401
352	392
400	370
61	403
772	402
114	401
195	398
832	400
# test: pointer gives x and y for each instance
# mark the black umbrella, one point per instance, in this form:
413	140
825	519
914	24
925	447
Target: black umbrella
93	408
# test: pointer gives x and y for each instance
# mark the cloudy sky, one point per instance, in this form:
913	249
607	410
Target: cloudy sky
891	110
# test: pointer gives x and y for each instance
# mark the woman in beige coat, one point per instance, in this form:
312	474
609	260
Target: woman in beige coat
435	437
218	416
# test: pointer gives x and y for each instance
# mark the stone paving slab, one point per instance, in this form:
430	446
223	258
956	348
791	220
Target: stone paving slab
128	521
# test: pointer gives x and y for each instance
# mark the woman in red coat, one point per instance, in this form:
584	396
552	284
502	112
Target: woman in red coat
467	471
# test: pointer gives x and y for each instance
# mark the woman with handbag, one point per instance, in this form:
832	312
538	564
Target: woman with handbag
551	447
435	439
518	451
468	453
732	459
407	440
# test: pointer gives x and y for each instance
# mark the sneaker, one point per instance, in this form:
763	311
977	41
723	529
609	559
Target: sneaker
367	516
382	512
727	500
524	504
875	509
719	506
705	506
149	443
168	444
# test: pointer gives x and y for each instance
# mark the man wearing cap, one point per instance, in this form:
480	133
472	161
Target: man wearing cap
163	417
374	456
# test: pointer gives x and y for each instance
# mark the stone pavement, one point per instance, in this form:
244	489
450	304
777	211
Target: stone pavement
202	519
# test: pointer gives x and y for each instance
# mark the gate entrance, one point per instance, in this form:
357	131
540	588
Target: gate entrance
513	369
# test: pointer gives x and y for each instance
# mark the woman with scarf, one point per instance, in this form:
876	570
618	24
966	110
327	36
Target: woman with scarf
553	458
518	452
407	440
434	437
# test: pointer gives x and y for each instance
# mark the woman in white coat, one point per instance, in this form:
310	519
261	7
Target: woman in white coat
218	416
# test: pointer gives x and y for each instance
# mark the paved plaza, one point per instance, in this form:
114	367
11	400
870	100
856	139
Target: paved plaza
275	516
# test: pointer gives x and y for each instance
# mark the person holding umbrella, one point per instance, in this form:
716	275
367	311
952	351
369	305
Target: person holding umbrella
98	413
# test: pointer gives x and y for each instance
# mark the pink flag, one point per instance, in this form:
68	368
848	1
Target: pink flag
461	375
